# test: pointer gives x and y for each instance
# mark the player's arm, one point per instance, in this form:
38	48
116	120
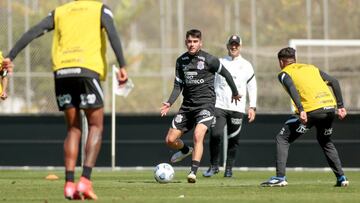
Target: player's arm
334	84
290	88
178	86
45	25
107	22
251	87
216	66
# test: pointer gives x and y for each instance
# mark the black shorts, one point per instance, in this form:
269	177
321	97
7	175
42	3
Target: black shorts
78	92
186	119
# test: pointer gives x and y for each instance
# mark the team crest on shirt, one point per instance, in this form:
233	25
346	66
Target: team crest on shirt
178	118
200	65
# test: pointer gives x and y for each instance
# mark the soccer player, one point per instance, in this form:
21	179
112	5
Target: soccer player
194	77
227	113
315	106
78	56
3	79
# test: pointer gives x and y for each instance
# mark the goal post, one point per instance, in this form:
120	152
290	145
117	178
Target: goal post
323	42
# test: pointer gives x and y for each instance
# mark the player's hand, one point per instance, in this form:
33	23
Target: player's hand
303	117
3	95
122	76
8	65
341	113
165	109
235	98
251	115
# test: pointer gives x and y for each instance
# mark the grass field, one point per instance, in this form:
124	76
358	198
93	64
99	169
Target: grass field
140	186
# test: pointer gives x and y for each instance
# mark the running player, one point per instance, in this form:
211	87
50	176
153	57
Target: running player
195	73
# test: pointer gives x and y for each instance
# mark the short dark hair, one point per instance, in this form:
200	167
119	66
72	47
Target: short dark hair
287	53
194	33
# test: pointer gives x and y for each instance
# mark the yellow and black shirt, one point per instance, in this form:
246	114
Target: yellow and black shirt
79	39
308	87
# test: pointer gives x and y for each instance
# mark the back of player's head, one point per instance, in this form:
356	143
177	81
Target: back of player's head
193	33
287	53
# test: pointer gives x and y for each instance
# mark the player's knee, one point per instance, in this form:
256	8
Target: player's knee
169	140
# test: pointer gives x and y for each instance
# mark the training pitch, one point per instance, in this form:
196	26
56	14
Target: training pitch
140	186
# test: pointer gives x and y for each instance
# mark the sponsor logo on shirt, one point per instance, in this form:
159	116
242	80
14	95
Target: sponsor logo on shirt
185	58
190	78
68	71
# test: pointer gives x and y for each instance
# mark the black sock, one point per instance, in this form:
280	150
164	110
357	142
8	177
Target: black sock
185	149
69	176
86	172
194	166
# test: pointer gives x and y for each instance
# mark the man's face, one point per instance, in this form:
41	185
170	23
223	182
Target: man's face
193	45
234	49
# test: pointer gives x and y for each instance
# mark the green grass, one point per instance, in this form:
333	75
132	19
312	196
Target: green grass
139	186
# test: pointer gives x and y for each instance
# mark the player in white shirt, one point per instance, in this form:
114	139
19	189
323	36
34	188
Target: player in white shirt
227	113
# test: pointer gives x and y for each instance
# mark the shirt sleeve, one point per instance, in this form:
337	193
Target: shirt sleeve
226	74
289	86
178	85
334	84
251	86
107	23
45	25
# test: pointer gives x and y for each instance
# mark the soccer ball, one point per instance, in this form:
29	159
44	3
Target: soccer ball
164	173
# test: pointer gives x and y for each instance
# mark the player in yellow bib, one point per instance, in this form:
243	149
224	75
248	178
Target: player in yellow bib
3	79
78	56
314	105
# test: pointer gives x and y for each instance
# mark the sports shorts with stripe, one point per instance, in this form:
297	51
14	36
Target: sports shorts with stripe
186	119
78	92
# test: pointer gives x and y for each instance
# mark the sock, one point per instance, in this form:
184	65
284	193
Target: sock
194	166
69	176
86	172
185	149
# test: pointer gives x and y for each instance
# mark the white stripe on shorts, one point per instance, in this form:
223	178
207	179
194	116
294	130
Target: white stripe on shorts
206	119
97	85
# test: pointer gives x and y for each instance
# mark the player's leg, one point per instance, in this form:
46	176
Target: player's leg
92	148
177	129
198	138
234	123
324	132
216	134
288	134
92	101
71	150
203	118
64	89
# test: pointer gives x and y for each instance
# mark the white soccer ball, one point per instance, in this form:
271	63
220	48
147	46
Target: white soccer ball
164	173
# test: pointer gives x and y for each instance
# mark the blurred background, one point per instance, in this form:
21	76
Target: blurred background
153	33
